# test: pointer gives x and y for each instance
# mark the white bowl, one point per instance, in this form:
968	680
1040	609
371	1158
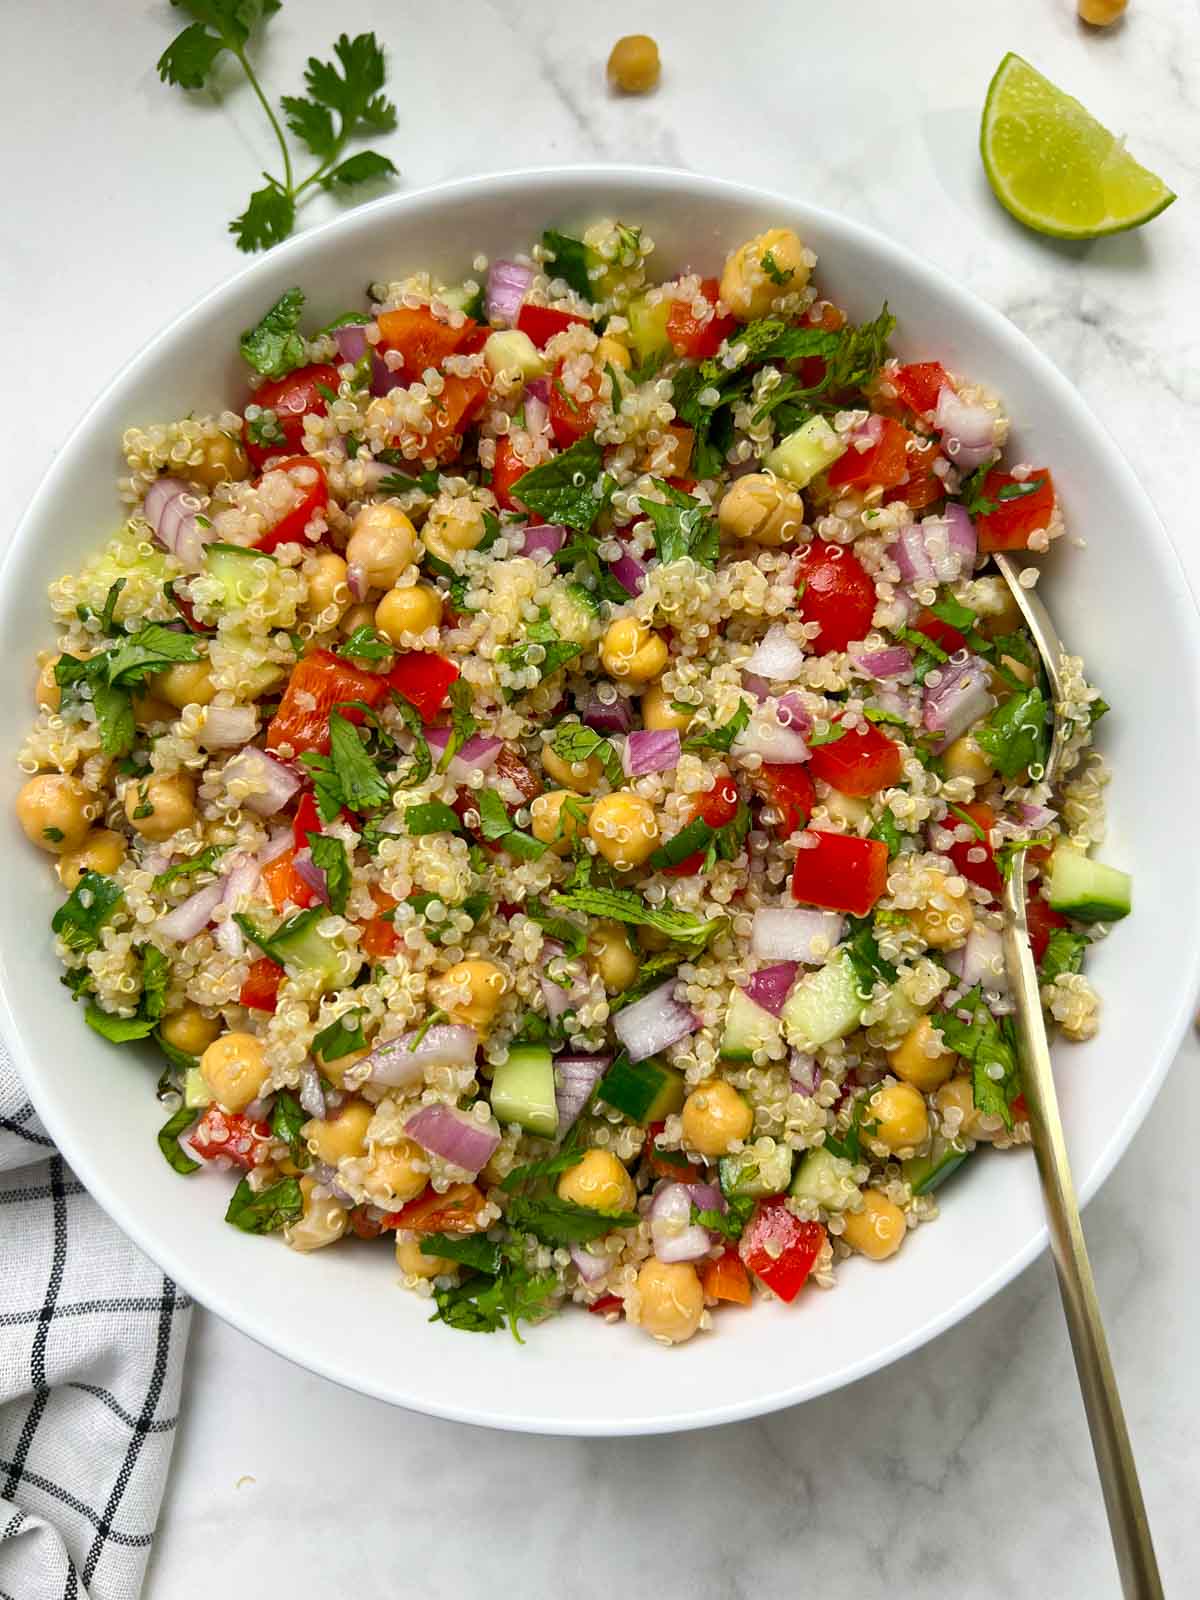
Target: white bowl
1123	602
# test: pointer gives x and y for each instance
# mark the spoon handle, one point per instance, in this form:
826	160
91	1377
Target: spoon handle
1123	1501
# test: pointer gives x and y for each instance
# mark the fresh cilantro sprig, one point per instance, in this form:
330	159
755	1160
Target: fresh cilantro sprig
731	1222
571	488
343	1035
1017	734
1064	953
576	742
570	261
342	102
463	723
720	738
988	1044
625	905
347	776
495	824
683	526
84	912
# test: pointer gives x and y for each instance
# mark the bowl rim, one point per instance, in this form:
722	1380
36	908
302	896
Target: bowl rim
173	1260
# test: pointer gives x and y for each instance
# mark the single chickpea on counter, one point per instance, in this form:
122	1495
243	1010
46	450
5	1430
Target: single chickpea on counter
634	66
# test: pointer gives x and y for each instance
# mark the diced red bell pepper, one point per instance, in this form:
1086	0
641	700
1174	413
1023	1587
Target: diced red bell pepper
541	323
247	1143
572	416
455	1211
841	872
423	678
1019	1107
1009	526
726	1279
694	337
285	884
788	790
460	402
379	939
307	820
188	611
884	463
291	399
779	1249
506	471
718	807
607	1303
947	638
421	338
838	593
919	384
861	762
1042	920
308	478
985	873
922	487
318	683
260	991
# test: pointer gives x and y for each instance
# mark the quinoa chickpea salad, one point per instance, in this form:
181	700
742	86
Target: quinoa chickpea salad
543	773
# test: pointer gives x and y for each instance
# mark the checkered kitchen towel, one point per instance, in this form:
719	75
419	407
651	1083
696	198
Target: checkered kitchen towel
92	1340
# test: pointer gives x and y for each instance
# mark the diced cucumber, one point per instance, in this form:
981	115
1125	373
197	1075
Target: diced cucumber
514	351
583	597
232	645
748	1027
307	953
645	1091
825	1179
925	1173
813	447
196	1093
824	1005
233	567
1088	890
752	1173
899	1017
648	327
523	1090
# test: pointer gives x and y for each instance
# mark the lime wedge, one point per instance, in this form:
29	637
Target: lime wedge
1054	167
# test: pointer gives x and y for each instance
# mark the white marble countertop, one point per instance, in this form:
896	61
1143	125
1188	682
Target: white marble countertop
966	1468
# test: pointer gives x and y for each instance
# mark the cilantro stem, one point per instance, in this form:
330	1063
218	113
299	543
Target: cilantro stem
288	174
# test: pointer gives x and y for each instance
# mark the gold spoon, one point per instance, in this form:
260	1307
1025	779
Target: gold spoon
1123	1501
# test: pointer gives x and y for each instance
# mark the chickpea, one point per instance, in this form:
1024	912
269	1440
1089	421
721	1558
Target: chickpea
672	1300
633	64
336	1070
632	650
53	810
913	1060
189	1030
715	1117
235	1069
877	1231
404	611
414	1263
998	612
327	585
396	1173
958	1098
359	616
599	1182
323	1222
1101	13
582	776
1002	686
101	851
222	461
470	993
963	758
188	683
550	823
612	956
382	542
750	283
946	920
659	714
611	352
343	1134
455	522
624	828
762	508
157	807
149	709
46	691
899	1112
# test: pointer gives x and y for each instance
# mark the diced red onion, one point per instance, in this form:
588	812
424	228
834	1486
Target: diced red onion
707	1197
313	875
650	750
652	1023
960	697
478	754
963	539
591	1267
548	539
604	717
327	1176
383	379
980	960
227	727
968	431
454	1135
537	412
574	1079
311	1095
793	714
778	656
911	556
275	846
507	285
193	916
794	933
155	860
351	341
539	388
402	1063
673	1233
172	510
867	434
804	1073
276	783
356	580
888	663
629	572
1037	816
260	1109
773	741
769	987
758	687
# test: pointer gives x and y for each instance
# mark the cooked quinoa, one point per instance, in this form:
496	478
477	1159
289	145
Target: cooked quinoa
542	775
